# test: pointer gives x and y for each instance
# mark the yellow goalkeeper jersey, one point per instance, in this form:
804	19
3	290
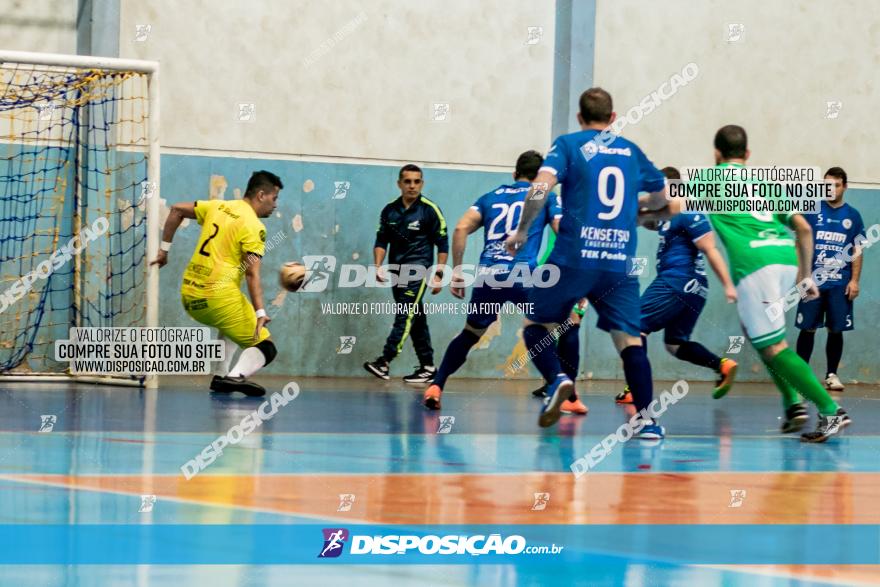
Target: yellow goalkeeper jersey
230	231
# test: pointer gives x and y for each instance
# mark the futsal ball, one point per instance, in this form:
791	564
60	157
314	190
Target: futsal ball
292	275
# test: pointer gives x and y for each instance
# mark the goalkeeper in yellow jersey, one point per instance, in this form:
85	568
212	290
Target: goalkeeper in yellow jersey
232	243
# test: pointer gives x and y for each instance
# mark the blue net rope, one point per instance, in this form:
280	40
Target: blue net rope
73	192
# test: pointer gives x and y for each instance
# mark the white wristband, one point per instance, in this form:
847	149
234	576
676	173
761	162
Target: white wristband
261	313
165	246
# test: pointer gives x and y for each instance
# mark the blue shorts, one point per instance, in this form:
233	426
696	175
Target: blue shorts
832	309
614	296
673	306
486	301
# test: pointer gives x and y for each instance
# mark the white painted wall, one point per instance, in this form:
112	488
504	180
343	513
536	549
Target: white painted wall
46	26
794	57
351	79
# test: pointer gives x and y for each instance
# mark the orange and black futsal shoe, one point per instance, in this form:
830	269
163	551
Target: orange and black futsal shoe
726	375
624	397
432	397
576	407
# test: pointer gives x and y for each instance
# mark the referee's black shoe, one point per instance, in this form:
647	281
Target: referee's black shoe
422	374
379	368
230	384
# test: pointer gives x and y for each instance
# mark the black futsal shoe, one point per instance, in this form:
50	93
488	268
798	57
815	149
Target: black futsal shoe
828	426
423	374
379	368
231	384
795	418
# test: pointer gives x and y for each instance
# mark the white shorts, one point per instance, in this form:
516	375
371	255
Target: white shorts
756	292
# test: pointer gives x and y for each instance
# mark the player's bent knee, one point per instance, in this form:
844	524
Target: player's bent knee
633	353
771	351
267	347
622	340
672	348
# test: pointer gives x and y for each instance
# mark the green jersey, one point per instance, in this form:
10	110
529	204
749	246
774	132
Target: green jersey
754	240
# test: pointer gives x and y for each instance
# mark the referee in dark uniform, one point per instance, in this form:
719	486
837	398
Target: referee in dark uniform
411	226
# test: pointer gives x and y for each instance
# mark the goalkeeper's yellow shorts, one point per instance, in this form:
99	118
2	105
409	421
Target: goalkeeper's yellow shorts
233	316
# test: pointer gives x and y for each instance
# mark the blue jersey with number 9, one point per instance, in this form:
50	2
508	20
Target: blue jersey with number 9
501	210
600	188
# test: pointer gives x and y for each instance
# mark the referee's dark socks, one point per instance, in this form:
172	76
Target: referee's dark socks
568	351
456	355
540	344
637	371
694	352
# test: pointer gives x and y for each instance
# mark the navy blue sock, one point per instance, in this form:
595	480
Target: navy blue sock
805	342
455	356
694	352
568	350
637	371
541	346
833	351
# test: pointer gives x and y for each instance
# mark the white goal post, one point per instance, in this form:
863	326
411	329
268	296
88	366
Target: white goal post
79	142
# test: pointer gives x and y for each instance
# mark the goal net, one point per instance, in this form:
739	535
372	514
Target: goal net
78	189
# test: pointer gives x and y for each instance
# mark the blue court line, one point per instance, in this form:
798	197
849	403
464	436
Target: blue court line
506	575
94	453
301	544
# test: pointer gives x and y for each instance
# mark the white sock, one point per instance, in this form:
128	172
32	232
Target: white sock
222	367
249	362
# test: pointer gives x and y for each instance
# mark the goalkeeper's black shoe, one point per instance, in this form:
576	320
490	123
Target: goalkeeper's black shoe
230	384
828	426
795	418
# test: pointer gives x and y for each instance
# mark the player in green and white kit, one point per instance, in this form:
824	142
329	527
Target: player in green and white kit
765	261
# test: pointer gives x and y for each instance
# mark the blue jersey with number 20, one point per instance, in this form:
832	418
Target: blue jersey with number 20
501	210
